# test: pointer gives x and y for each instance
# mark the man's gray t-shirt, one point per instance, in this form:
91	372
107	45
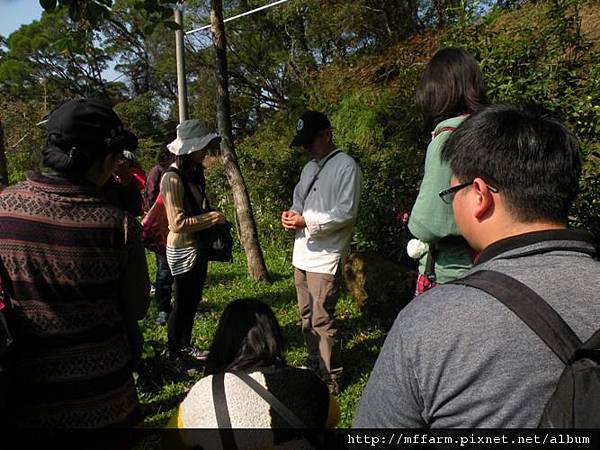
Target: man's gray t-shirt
457	357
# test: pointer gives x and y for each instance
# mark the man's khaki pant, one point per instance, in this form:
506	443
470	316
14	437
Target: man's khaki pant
318	294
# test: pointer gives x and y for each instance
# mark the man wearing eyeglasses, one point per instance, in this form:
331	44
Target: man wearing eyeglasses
458	357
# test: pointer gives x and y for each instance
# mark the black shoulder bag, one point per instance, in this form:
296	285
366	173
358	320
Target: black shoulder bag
216	242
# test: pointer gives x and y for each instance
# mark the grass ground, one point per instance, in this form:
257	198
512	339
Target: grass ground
161	390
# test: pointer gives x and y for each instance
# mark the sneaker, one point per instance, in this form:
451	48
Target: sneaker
184	365
196	353
161	319
312	364
334	386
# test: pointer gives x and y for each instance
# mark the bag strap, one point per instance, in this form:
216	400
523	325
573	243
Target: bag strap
529	307
196	208
314	180
430	264
221	411
287	415
439	131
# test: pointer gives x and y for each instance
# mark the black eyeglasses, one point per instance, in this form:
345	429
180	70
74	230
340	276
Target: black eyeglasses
447	195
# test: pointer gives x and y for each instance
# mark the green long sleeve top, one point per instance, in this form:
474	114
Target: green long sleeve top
431	219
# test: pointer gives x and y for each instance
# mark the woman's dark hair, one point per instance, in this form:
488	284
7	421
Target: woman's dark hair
191	172
248	336
452	84
74	161
186	165
526	152
165	157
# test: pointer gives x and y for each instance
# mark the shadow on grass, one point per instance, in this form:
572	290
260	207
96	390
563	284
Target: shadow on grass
363	356
292	333
215	277
278	300
155	373
358	360
279	276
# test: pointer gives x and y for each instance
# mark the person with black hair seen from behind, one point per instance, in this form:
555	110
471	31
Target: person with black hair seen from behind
164	280
324	210
135	170
249	343
121	189
73	269
183	189
458	357
450	89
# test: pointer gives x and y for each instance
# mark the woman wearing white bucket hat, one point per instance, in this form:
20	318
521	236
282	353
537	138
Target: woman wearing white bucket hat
183	190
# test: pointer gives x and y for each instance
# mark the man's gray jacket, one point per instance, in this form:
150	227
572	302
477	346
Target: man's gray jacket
457	357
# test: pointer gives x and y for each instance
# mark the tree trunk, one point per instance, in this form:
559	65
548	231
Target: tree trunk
241	199
3	167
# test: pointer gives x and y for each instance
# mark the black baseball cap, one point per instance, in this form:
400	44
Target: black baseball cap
308	126
91	123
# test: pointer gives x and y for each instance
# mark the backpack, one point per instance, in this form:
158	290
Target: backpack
155	227
575	402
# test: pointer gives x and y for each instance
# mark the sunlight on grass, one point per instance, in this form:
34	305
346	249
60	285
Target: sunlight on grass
160	389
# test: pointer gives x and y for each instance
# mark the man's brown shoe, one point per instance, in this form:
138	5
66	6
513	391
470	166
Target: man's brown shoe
335	386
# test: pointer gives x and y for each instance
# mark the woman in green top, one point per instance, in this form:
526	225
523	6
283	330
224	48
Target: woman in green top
450	89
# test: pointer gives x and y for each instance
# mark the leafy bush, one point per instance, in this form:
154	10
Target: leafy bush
23	140
538	54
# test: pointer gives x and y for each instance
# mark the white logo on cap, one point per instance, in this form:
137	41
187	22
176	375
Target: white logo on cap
300	125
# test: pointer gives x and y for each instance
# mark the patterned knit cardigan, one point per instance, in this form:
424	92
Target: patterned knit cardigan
76	276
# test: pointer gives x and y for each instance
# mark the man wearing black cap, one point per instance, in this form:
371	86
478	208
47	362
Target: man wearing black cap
323	214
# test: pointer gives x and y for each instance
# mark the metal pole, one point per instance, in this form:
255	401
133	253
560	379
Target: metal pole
180	57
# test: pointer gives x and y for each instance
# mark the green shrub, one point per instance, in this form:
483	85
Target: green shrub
537	54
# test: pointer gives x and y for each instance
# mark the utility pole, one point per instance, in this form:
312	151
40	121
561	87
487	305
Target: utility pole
180	57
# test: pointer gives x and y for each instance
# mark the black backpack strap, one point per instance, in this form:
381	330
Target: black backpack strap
268	397
529	307
196	208
592	343
221	411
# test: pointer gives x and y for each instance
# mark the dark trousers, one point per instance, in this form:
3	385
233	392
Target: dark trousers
188	293
162	286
